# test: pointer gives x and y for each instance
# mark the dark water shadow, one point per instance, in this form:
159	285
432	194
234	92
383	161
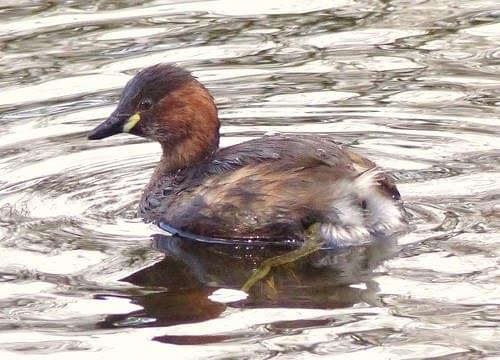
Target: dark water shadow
191	271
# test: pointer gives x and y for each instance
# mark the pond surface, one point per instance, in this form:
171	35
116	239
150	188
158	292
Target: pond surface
414	85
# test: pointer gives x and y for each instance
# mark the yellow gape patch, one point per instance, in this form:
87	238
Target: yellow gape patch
131	122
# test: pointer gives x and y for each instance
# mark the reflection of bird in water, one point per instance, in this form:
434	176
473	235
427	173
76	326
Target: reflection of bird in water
182	282
210	263
302	189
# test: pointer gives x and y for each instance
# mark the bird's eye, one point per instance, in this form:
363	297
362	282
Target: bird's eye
145	104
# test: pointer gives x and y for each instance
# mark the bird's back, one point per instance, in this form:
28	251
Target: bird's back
275	187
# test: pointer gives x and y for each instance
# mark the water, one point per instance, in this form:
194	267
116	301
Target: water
412	84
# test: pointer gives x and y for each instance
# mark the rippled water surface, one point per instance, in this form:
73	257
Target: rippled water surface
412	84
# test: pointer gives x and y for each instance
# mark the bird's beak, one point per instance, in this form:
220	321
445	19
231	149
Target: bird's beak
115	124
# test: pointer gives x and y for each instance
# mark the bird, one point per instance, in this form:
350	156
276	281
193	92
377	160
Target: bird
281	188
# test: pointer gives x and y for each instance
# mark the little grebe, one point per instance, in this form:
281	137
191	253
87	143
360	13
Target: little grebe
271	189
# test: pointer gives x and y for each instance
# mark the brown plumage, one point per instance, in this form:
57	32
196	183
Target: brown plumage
271	188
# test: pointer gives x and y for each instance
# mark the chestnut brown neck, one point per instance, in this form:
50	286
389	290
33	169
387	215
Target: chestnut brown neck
191	129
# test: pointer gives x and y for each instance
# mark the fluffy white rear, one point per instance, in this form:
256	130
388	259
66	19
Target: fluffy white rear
355	225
